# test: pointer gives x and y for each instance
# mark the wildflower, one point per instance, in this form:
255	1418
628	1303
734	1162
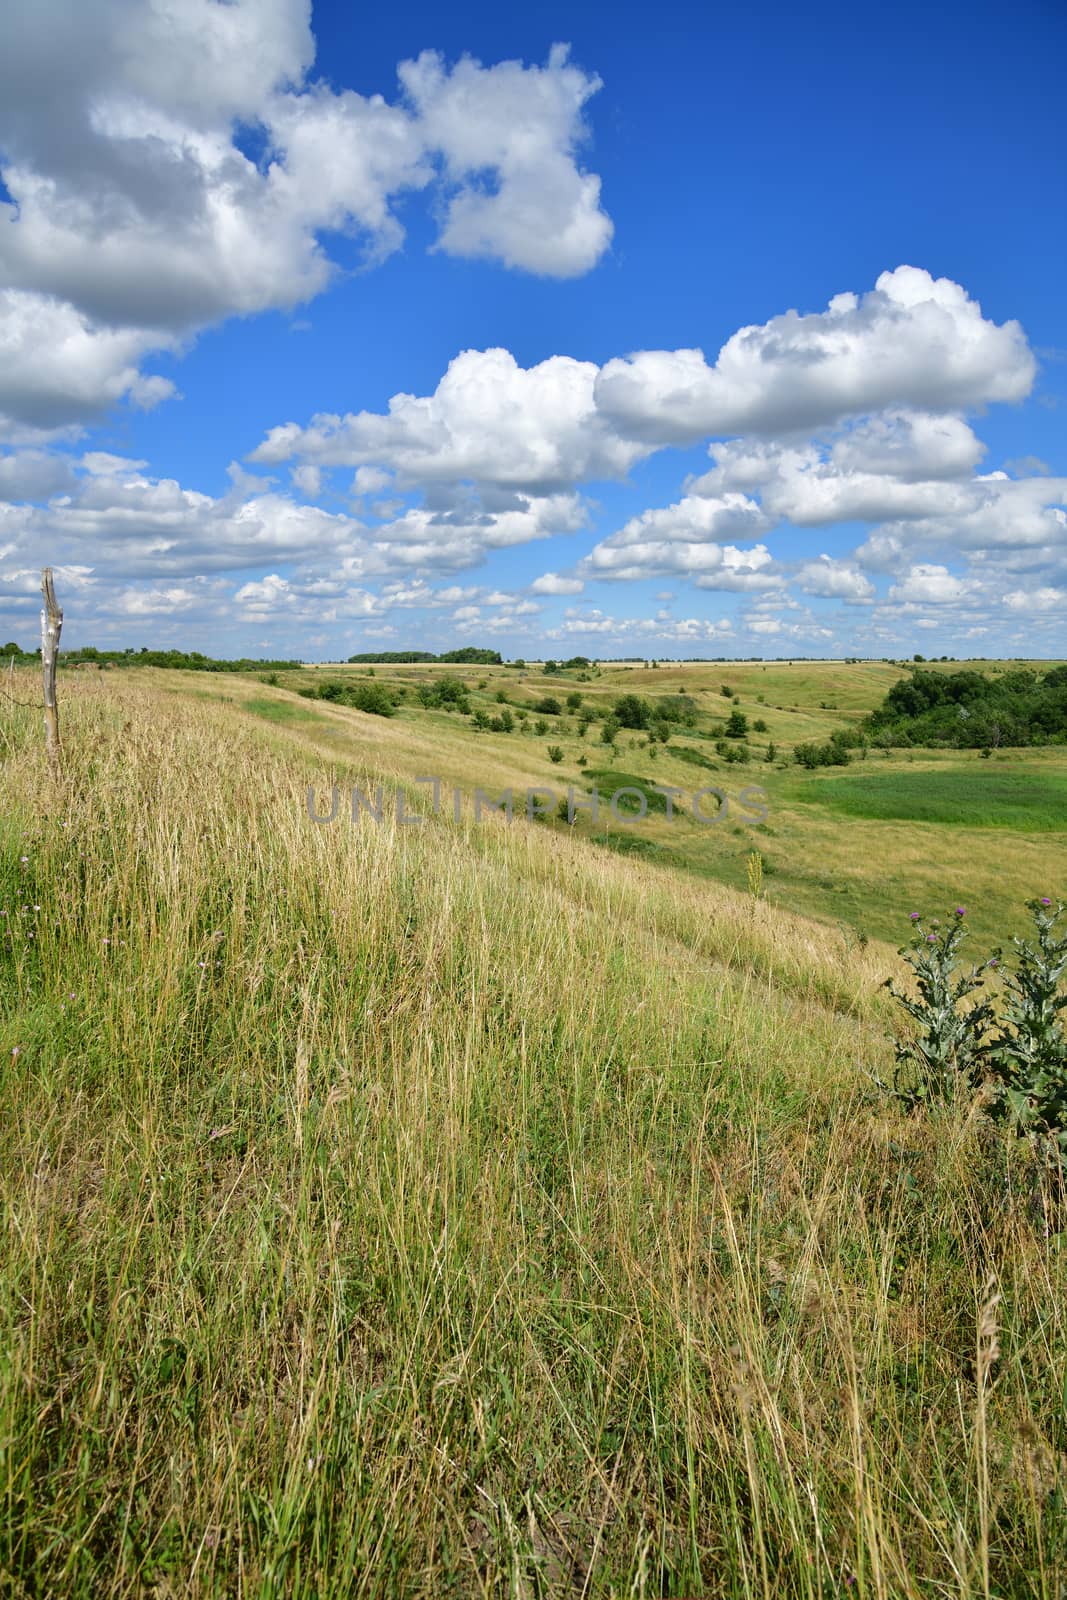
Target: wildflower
961	911
1045	901
915	916
931	938
16	1050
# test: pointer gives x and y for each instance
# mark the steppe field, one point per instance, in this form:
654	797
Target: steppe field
488	1208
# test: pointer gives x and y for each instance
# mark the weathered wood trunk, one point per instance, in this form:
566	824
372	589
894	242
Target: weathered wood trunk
51	627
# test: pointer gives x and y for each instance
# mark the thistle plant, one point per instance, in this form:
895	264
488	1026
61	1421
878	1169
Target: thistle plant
949	1050
1029	1054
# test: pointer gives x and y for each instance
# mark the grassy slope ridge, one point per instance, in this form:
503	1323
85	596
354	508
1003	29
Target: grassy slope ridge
858	847
471	1210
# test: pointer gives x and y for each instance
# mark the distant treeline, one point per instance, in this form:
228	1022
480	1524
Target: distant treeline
191	661
470	655
972	711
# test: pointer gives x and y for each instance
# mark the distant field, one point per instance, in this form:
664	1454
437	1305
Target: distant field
855	847
978	797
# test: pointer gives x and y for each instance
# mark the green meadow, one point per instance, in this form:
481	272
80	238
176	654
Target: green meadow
1024	798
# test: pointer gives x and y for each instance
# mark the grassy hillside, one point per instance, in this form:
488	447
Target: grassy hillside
473	1209
856	847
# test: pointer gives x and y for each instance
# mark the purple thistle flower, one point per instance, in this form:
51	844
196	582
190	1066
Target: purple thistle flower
931	938
961	911
1045	901
915	916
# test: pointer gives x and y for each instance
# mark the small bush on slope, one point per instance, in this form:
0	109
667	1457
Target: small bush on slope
1023	1067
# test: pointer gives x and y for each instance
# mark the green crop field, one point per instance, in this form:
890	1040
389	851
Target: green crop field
471	1207
1025	799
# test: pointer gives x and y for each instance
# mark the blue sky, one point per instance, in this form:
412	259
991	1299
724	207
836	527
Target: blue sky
231	237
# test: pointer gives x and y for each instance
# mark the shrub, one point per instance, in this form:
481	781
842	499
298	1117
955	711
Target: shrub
631	712
369	697
574	700
555	754
849	738
831	754
445	694
548	706
1023	1067
1030	1052
759	726
950	1046
677	707
736	724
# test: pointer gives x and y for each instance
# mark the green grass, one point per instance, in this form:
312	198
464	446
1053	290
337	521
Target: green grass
975	796
693	758
609	781
279	710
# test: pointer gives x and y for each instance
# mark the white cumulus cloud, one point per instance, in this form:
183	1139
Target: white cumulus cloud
488	419
912	341
173	164
836	580
553	583
543	213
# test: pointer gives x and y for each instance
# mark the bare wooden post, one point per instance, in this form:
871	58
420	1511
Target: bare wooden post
51	627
